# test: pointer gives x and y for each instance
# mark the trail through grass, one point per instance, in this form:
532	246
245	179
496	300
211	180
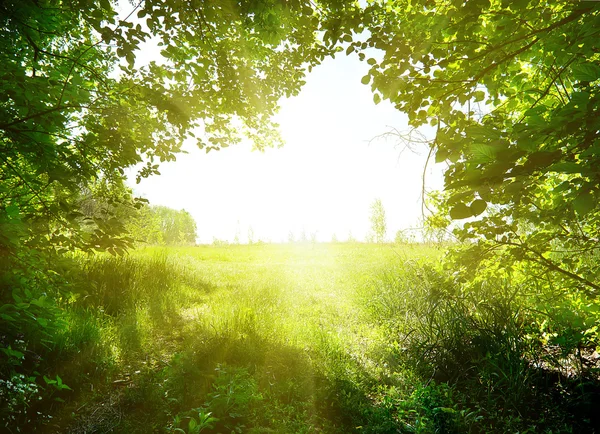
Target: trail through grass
271	338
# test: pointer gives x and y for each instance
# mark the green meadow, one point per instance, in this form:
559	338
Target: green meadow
483	316
288	338
259	338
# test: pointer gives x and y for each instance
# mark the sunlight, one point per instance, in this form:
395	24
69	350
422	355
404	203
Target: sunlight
319	185
299	289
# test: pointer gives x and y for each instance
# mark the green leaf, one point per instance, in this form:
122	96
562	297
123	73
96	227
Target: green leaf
542	158
49	381
12	353
105	4
441	155
566	167
366	79
445	410
376	98
478	206
481	132
584	203
460	211
483	153
586	72
12	211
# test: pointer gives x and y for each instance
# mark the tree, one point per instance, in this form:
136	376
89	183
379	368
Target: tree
162	225
401	237
78	107
177	227
146	227
513	91
515	103
378	222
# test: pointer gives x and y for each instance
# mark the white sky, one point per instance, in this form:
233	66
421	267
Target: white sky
323	180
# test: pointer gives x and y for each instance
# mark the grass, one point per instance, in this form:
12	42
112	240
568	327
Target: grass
263	338
308	338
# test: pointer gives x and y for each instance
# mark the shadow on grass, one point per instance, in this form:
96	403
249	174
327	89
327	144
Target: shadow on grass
125	315
137	365
250	384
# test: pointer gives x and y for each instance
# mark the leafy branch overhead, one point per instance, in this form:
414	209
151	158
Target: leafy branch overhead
513	90
80	105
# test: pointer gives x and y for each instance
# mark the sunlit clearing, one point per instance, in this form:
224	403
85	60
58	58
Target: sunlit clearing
319	186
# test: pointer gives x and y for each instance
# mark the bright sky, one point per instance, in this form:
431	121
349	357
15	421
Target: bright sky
323	180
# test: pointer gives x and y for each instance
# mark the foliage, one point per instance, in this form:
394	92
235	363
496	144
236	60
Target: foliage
516	122
79	106
236	331
378	221
513	91
198	422
145	226
328	337
162	225
477	344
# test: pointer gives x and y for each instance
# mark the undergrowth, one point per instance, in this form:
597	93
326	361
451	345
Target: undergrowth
300	339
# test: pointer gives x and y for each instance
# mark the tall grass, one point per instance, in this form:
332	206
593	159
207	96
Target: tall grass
157	339
332	338
478	344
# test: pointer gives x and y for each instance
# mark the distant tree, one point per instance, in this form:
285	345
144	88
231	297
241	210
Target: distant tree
187	228
250	235
334	238
177	227
378	223
217	242
145	226
291	237
236	238
162	225
401	237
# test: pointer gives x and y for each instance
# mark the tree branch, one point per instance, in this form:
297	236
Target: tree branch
36	115
542	260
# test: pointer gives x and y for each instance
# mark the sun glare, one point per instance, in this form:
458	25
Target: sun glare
319	186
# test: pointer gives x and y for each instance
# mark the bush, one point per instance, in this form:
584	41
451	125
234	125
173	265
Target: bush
476	337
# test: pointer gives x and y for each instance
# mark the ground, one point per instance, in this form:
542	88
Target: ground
262	338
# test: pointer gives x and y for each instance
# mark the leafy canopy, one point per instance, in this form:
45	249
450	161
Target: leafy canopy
78	106
512	88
